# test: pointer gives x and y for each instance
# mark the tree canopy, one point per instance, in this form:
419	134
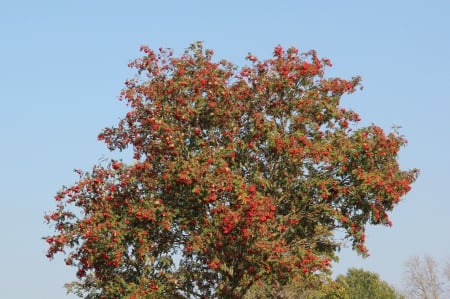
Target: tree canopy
360	284
240	176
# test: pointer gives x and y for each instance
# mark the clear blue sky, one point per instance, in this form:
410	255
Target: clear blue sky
63	64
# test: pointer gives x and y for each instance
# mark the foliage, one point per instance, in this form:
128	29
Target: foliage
240	176
356	284
360	284
309	287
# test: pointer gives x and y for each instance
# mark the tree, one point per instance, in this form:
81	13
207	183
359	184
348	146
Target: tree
446	273
447	270
360	284
239	176
422	278
356	284
310	287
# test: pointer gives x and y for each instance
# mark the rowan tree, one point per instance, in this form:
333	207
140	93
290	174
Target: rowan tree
240	176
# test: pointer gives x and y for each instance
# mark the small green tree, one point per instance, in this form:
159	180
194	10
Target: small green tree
361	284
318	286
356	284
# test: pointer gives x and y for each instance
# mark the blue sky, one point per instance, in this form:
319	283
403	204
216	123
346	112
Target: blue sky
63	64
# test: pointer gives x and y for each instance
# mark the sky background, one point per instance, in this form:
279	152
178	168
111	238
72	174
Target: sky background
63	64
